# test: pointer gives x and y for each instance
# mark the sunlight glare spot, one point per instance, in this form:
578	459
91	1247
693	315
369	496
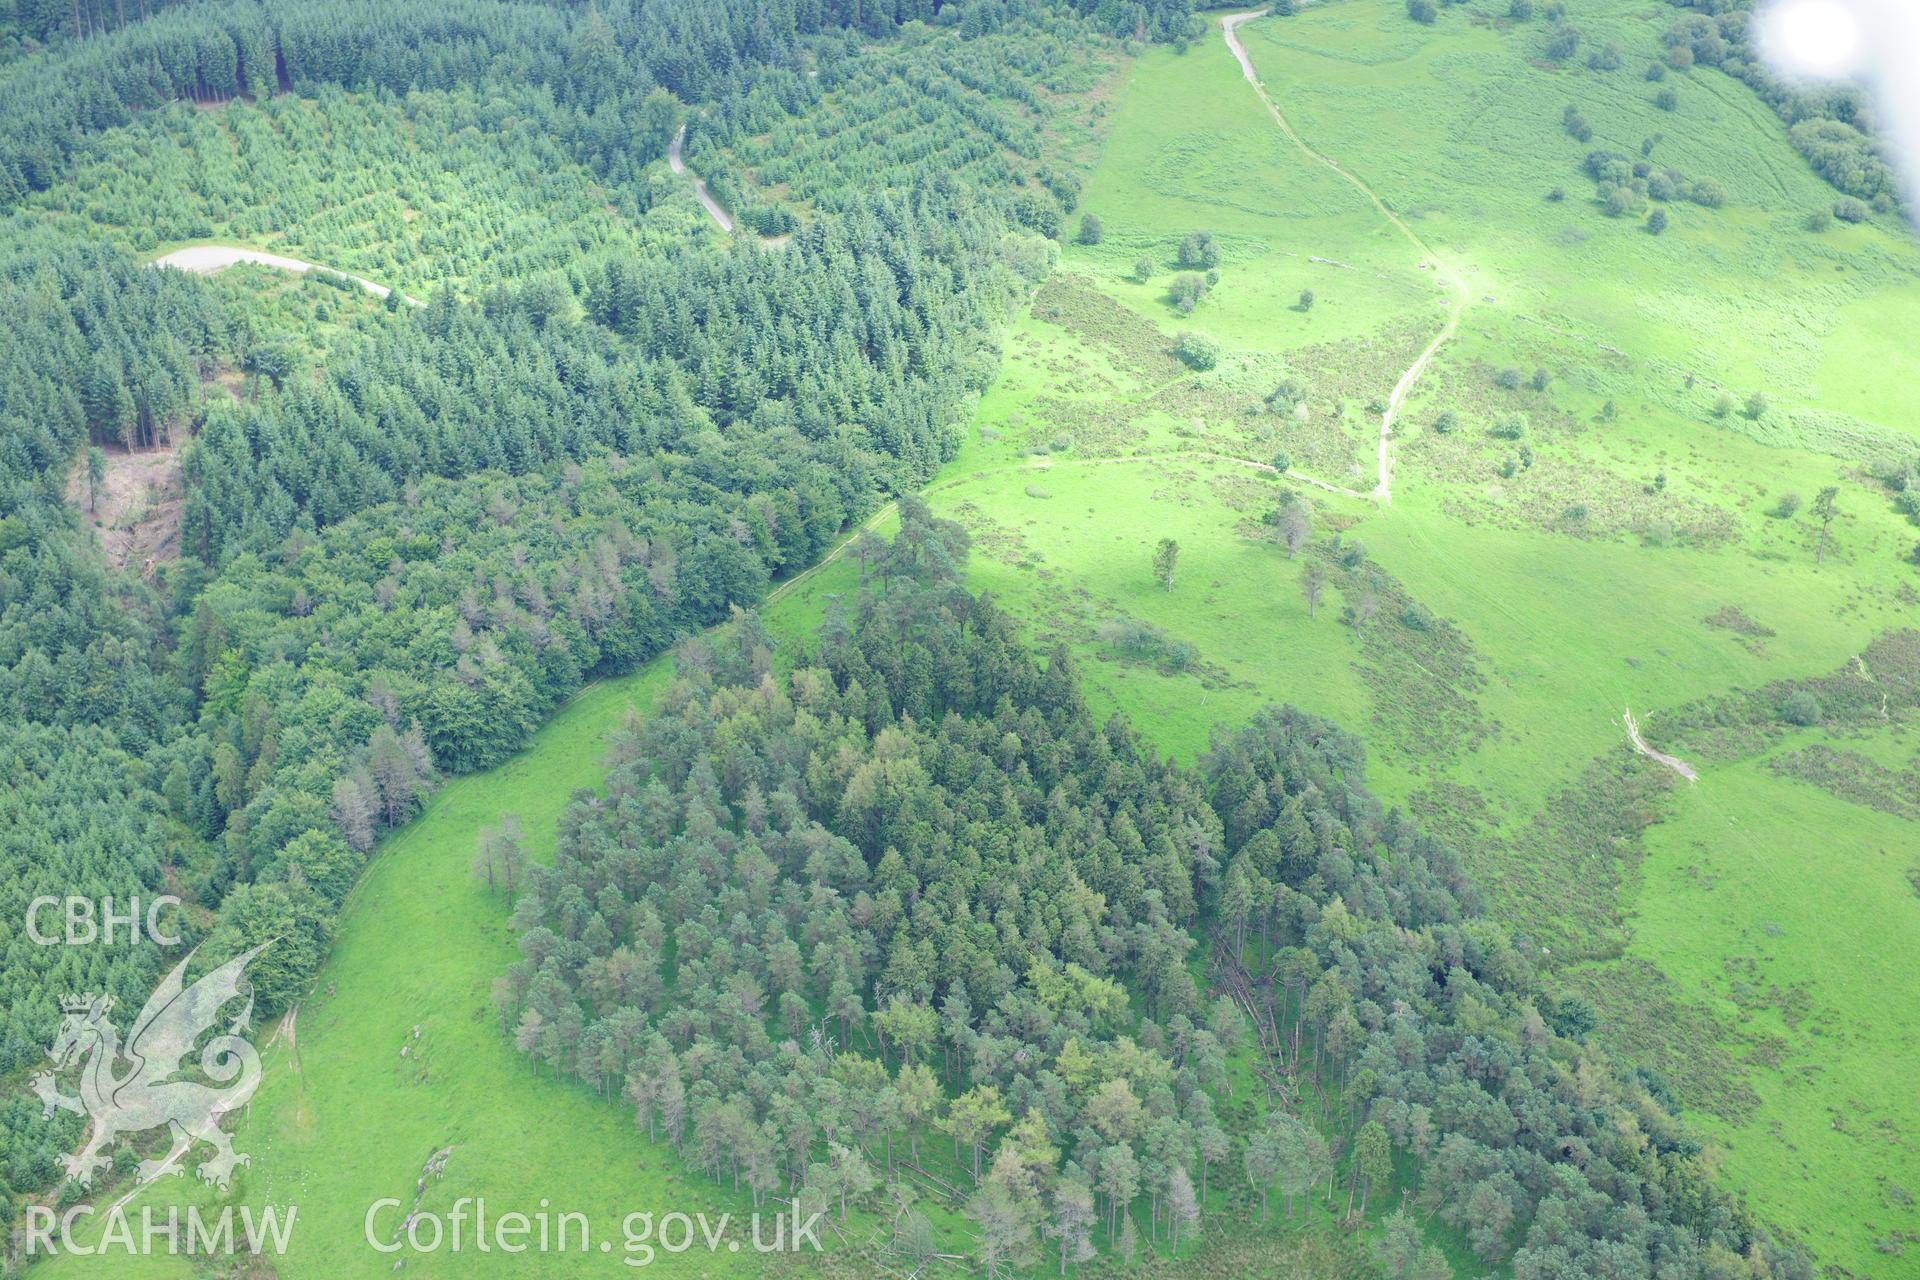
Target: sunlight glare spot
1821	39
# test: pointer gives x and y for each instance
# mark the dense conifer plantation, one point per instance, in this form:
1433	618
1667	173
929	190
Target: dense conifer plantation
398	558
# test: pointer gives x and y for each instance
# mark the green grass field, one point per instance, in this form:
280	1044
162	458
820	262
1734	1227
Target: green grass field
1458	130
1788	911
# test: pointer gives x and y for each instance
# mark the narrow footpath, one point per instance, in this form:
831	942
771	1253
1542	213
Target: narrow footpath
1383	488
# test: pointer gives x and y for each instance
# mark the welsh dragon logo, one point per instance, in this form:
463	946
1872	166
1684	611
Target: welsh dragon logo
146	1095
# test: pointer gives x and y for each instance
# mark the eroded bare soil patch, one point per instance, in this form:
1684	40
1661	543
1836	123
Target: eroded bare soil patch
135	508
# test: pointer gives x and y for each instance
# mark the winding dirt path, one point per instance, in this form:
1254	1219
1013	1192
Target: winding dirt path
699	188
792	584
1383	489
205	259
1674	763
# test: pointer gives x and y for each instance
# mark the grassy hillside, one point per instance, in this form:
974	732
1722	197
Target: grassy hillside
1460	128
1754	909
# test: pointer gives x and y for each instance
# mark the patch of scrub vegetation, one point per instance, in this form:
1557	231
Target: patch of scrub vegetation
1420	668
1681	1042
1138	641
1880	686
1855	778
1731	617
1133	344
1558	876
1127	392
1510	453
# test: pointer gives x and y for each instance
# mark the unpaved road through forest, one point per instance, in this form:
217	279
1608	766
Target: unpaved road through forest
205	259
699	188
